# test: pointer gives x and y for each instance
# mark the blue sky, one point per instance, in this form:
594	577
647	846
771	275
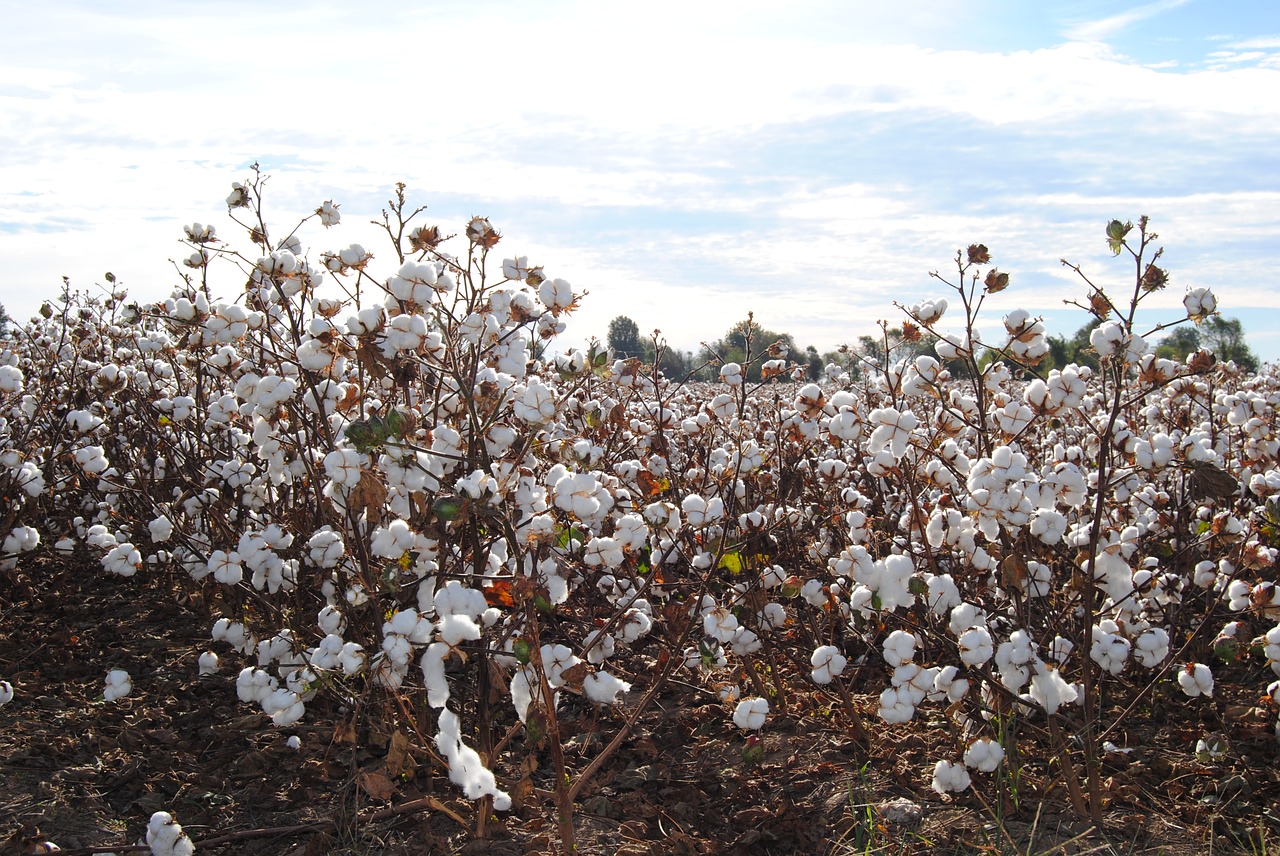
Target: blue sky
682	162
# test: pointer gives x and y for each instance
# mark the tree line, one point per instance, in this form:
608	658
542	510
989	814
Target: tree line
753	347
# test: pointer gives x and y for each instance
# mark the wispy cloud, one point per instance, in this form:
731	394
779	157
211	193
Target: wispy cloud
1101	29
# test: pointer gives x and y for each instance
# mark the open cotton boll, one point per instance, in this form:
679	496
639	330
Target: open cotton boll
1049	689
828	663
896	705
118	685
604	688
984	755
465	766
6	692
1196	679
432	663
899	648
208	663
750	713
166	838
950	778
454	629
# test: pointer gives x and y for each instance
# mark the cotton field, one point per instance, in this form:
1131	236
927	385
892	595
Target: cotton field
387	481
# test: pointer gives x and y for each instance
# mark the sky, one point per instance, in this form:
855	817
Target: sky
682	163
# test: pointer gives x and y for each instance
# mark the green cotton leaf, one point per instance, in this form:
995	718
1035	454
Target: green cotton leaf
732	562
395	424
876	603
523	650
917	586
1226	651
571	533
643	564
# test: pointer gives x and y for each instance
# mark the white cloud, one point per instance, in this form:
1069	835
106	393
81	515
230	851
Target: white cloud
1101	29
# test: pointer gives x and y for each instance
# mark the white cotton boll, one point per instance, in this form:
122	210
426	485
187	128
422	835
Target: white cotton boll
1151	647
984	755
294	742
208	663
720	624
6	693
331	621
432	663
896	705
352	658
975	646
117	685
949	685
1049	689
254	685
284	706
465	767
1109	649
455	629
965	616
161	529
828	663
899	648
1196	679
166	838
750	714
604	688
950	778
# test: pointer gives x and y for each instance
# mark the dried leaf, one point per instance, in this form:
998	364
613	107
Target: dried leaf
376	785
344	732
399	759
368	495
574	676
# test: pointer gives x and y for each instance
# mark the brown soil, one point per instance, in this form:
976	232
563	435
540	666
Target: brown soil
87	774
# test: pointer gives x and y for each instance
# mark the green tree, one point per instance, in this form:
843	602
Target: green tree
1179	343
1225	337
624	338
748	335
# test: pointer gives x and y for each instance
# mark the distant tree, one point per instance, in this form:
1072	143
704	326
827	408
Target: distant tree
624	338
816	365
920	343
1179	343
1076	350
5	320
733	347
1225	337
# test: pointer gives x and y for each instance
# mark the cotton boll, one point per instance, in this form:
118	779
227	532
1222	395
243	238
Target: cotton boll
984	755
454	629
828	663
899	648
1050	690
950	778
896	706
6	693
975	646
294	742
465	767
750	713
208	663
1196	679
166	838
604	688
117	685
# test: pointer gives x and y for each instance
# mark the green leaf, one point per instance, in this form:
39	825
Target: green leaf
522	649
732	562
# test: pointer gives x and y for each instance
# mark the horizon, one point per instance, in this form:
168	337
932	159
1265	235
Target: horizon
686	162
